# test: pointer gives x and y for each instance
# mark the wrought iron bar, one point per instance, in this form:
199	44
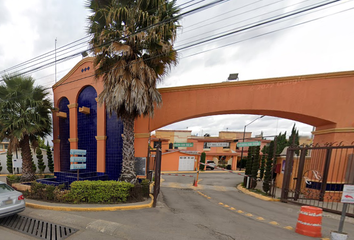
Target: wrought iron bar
300	174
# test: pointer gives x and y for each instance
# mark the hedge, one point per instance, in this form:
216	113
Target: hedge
99	191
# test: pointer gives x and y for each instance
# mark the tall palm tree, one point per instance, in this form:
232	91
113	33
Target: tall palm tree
132	41
24	116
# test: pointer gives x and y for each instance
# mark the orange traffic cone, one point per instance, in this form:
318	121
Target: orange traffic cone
195	183
309	221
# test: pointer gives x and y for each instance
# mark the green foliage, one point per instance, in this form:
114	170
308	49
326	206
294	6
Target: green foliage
41	143
9	162
47	192
41	165
282	142
202	160
133	59
242	163
37	190
248	169
294	138
50	158
34	168
139	192
261	170
25	117
268	169
255	164
13	178
99	191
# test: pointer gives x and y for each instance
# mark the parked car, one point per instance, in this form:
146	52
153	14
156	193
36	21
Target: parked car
11	201
210	165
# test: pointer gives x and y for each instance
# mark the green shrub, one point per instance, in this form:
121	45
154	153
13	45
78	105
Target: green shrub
50	158
49	192
9	162
98	191
13	179
139	192
46	192
40	162
202	160
37	190
146	187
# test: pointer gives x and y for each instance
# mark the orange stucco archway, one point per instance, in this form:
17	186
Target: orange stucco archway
325	101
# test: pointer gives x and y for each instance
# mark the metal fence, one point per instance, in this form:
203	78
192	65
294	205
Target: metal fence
154	164
316	175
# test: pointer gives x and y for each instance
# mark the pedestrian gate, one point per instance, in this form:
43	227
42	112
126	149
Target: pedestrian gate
316	175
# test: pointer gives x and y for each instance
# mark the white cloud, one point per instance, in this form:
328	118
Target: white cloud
29	28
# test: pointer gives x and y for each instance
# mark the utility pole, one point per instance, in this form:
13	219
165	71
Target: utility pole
55	59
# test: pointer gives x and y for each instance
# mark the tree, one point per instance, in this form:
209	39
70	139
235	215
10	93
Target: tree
282	142
261	170
250	156
255	166
294	138
132	43
34	168
41	143
255	163
24	116
40	162
50	158
268	170
202	160
9	162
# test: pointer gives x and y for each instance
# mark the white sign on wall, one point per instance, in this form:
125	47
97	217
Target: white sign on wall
17	163
218	144
348	194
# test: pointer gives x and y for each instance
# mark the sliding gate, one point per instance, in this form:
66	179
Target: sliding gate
315	176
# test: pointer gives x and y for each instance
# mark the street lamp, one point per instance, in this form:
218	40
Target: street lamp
243	138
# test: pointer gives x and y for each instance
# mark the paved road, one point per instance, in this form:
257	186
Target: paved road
214	210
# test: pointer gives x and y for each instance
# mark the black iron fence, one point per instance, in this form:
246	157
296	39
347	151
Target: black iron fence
154	169
316	175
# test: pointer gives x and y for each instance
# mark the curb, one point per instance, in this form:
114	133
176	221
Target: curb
265	198
91	209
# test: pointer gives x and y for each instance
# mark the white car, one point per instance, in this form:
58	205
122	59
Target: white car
11	201
210	164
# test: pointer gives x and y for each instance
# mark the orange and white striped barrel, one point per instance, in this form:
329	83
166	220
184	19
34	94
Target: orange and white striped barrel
309	222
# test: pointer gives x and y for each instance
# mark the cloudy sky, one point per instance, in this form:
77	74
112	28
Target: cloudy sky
316	41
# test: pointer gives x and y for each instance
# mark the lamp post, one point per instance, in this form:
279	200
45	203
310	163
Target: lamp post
243	138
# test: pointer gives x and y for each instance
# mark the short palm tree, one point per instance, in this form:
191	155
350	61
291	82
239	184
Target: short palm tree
24	116
132	41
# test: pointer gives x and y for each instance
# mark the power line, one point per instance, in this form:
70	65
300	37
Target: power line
260	35
188	46
260	24
67	46
190	12
298	24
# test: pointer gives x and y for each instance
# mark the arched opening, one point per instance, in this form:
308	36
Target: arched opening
64	135
87	126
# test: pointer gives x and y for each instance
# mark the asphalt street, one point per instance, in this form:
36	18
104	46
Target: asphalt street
213	210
